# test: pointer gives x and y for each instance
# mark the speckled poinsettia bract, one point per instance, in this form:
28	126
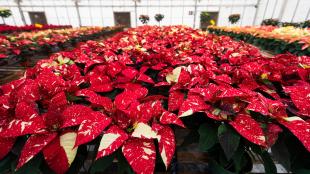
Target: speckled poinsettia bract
129	89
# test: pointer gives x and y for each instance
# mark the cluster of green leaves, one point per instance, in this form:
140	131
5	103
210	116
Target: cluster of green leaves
205	17
229	153
276	46
5	13
234	18
276	22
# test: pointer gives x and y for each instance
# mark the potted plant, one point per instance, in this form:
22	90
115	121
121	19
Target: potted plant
272	22
234	18
144	19
4	13
159	17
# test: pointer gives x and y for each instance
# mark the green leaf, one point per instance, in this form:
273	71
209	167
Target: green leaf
5	164
122	165
270	167
102	164
217	169
31	167
208	136
229	140
191	137
281	154
302	171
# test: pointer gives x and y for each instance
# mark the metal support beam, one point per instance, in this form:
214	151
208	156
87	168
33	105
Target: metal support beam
76	5
174	5
256	12
20	11
195	14
136	15
282	9
295	10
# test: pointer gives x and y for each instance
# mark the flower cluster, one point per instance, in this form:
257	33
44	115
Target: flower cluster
11	29
284	38
130	88
25	42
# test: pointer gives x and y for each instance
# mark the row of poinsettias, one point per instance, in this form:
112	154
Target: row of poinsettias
35	41
275	39
131	87
11	28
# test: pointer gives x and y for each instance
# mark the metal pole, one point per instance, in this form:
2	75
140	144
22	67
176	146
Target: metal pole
242	13
76	4
274	8
256	12
282	9
266	9
308	13
20	11
295	10
195	14
136	16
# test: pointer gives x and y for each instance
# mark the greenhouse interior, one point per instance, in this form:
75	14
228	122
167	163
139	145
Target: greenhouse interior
154	86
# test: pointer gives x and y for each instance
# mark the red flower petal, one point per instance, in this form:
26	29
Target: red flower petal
145	78
33	146
184	77
114	68
175	100
96	99
231	92
272	133
60	153
16	127
166	143
75	115
191	105
300	95
249	129
111	140
130	73
207	93
6	145
25	111
124	99
149	110
90	129
50	83
140	154
258	104
100	83
170	118
299	128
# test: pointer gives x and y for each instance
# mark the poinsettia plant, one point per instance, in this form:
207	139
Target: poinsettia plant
11	28
275	39
24	45
124	96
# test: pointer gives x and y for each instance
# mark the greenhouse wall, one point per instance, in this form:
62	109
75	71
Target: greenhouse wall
101	12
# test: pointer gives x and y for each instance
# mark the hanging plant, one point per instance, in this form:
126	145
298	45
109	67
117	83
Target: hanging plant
272	22
144	19
5	12
204	17
159	17
234	18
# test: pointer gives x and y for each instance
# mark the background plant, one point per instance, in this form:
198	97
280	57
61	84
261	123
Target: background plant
159	18
234	18
144	19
